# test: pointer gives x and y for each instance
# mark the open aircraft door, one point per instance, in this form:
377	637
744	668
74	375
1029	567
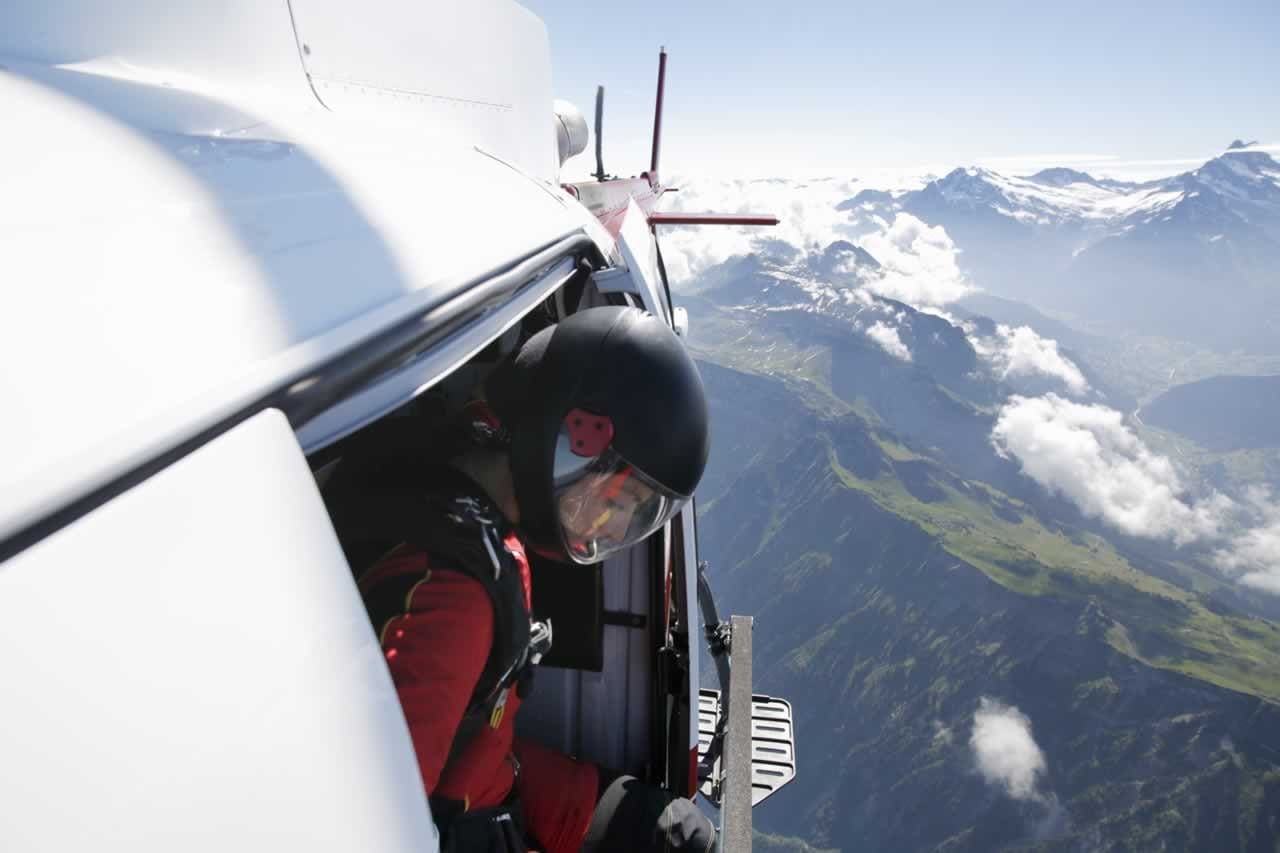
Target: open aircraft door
188	666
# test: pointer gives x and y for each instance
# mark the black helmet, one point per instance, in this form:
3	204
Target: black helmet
608	425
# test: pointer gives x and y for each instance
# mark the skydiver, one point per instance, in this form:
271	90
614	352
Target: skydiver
594	434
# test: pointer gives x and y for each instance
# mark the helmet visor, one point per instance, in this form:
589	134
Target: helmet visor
604	503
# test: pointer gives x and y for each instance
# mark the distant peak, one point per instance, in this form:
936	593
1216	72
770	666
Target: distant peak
1244	161
840	246
842	255
1061	176
1237	144
844	247
966	176
865	197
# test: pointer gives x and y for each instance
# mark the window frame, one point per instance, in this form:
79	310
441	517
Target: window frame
414	325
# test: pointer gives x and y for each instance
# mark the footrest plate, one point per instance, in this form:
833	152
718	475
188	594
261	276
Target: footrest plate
773	745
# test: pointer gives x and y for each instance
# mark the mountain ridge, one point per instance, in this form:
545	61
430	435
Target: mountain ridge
1193	256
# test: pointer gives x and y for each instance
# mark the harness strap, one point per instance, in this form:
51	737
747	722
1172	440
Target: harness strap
458	531
500	829
435	510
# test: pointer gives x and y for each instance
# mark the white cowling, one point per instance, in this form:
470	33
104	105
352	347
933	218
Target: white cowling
571	130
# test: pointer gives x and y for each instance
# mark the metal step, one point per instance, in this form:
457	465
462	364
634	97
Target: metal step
773	745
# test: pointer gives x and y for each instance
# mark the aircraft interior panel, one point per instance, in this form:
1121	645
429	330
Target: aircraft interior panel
604	716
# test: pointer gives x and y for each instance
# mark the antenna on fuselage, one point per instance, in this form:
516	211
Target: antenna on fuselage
600	175
657	116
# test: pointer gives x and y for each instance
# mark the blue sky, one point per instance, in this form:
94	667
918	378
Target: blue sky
809	88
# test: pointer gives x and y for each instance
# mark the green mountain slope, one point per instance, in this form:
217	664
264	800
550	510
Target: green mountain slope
892	594
1156	622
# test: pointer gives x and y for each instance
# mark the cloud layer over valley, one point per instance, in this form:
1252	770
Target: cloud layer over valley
1254	554
918	262
1064	440
1019	351
1086	453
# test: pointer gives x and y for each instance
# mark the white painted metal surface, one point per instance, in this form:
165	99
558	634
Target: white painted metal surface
639	254
571	131
680	322
200	206
689	533
244	50
186	225
189	667
421	373
479	71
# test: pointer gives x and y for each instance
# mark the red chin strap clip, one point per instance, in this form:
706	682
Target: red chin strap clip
589	434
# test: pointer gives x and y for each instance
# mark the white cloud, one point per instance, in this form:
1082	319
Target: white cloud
1022	352
1253	555
806	211
1004	751
1109	165
1086	453
1273	148
889	340
918	263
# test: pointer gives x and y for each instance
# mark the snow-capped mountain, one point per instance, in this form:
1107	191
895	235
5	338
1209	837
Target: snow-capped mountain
833	295
1246	182
829	282
1050	197
1194	256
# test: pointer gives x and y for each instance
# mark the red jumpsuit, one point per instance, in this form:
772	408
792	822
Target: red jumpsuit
436	652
